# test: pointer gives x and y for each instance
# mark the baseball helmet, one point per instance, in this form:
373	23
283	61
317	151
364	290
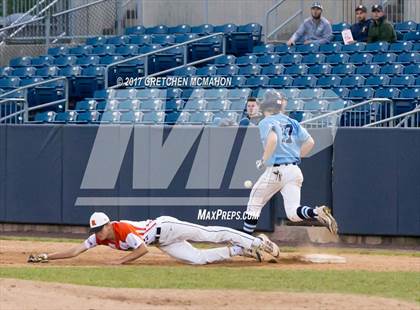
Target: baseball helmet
97	221
272	99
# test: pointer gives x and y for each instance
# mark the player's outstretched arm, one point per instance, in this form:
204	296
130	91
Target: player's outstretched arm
307	147
137	253
44	257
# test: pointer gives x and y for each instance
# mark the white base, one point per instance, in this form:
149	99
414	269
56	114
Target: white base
322	259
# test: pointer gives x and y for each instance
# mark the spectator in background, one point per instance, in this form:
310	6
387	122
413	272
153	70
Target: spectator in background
253	114
360	29
380	29
315	29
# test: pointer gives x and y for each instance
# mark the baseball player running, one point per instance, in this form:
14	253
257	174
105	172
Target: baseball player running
171	236
285	141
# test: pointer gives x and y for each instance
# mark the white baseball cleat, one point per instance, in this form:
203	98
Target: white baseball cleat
325	217
269	246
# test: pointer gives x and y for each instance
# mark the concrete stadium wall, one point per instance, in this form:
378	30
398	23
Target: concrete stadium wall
368	176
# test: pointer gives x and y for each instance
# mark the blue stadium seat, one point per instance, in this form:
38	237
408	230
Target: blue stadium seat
315	105
199	118
87	60
104	50
135	30
253	28
159	29
412	36
62	61
131	117
242	41
238	99
412	69
88	117
257	81
20	62
377	81
406	26
66	117
417	82
250	70
30	80
384	58
330	48
263	49
402	81
361	58
281	81
341	92
172	93
95	71
127	50
163	39
304	81
110	117
320	69
91	79
272	70
149	48
180	38
205	48
296	70
352	81
151	104
148	93
282	49
47	71
305	48
185	71
125	105
210	70
246	60
353	48
108	59
390	93
410	94
294	105
338	28
70	71
215	93
416	46
141	39
183	118
391	69
231	116
195	104
86	105
336	104
340	58
184	28
202	29
174	104
312	59
362	93
238	81
328	81
171	118
228	70
225	60
226	28
118	40
291	59
218	105
5	71
41	61
24	71
96	41
57	51
376	47
406	58
45	117
399	47
343	69
80	50
268	59
337	38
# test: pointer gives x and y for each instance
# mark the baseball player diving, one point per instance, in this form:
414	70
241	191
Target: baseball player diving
285	141
171	235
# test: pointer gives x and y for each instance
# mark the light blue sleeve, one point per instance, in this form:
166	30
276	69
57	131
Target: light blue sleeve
297	36
302	134
326	36
265	127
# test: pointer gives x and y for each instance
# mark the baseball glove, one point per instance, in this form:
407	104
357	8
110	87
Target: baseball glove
38	258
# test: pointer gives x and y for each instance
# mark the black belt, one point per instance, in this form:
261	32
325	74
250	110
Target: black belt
286	164
157	236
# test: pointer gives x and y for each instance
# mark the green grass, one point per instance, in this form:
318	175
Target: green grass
400	285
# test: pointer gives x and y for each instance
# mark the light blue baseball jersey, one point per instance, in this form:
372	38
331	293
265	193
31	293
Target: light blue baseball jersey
290	137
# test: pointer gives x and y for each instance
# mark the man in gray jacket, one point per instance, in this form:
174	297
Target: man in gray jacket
315	29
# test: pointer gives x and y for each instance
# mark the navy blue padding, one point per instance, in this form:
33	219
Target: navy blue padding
34	190
3	176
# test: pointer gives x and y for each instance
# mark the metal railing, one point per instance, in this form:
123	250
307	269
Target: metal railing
408	119
25	109
353	115
268	33
185	57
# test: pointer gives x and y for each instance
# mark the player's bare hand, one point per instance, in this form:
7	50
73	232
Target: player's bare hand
290	42
260	164
38	258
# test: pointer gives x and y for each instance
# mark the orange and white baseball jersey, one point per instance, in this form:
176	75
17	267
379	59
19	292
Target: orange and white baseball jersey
129	235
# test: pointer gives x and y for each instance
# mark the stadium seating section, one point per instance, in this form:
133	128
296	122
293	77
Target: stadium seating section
316	78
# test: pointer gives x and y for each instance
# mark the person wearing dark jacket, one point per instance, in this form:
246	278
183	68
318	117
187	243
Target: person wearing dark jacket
380	29
360	29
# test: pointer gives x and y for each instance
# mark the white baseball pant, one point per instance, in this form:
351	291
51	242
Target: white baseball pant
175	235
286	179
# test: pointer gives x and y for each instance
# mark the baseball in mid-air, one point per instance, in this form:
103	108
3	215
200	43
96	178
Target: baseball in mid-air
248	184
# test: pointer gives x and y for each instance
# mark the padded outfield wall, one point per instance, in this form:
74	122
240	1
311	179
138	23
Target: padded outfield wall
59	174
